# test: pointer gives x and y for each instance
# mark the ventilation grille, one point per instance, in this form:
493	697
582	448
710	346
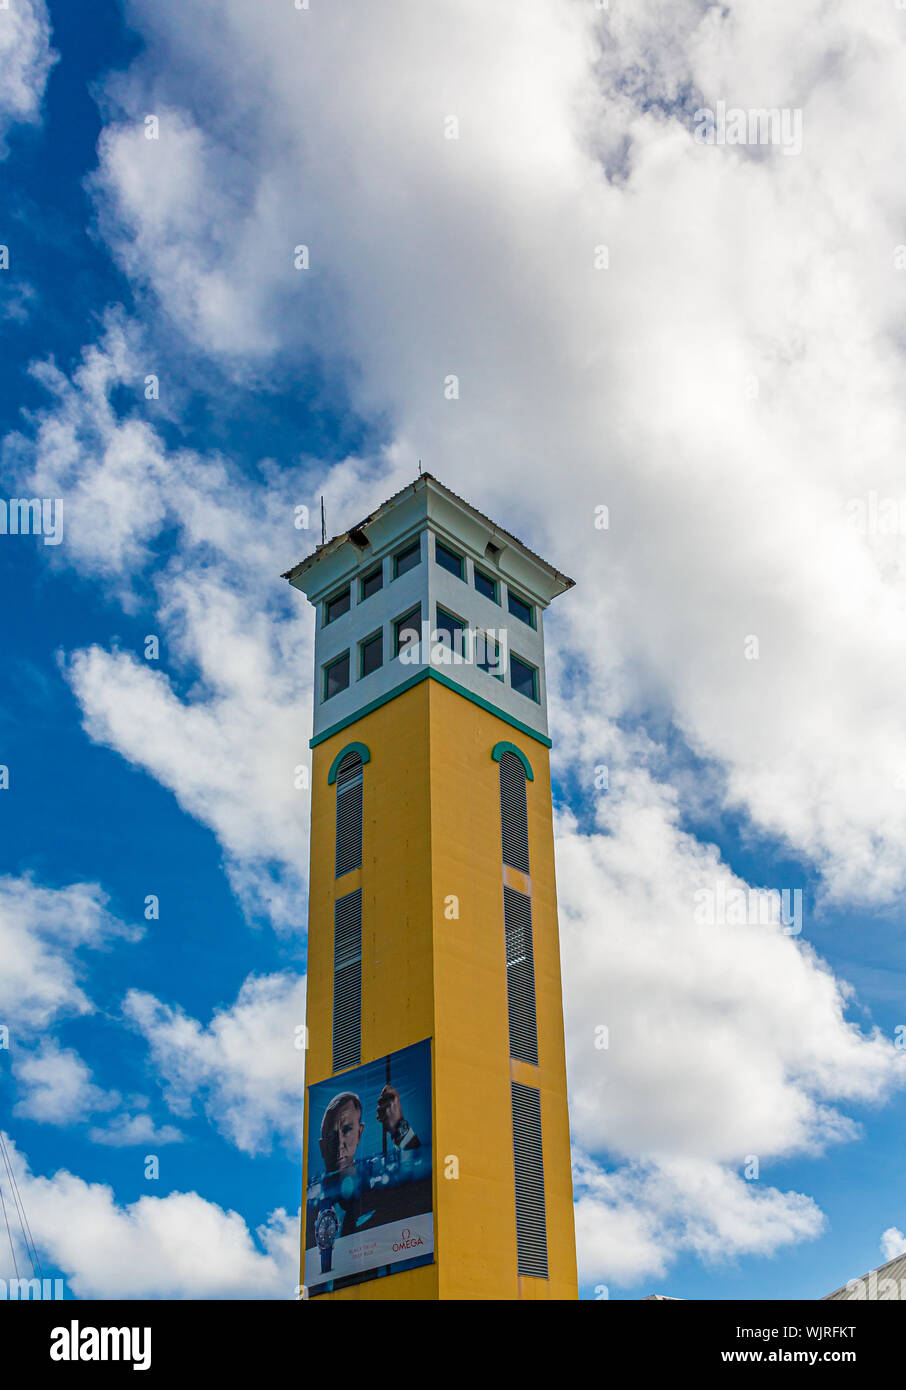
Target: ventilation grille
513	813
520	976
347	981
531	1227
349	814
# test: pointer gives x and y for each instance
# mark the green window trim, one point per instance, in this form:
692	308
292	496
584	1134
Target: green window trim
345	592
403	554
499	749
330	666
535	696
365	642
369	575
513	597
450	554
479	573
363	751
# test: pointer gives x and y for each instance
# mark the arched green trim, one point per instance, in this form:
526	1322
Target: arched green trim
500	748
363	751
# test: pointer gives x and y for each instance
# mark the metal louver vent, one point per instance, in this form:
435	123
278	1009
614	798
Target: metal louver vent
347	980
513	813
528	1157
349	814
520	976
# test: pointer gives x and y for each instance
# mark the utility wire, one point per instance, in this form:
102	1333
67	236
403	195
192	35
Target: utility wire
12	1250
27	1237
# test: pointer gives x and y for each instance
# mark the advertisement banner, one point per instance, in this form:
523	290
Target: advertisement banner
369	1206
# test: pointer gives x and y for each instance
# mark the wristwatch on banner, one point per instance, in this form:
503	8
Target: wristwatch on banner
326	1228
402	1129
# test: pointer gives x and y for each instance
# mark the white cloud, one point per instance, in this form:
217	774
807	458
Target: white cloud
125	1130
244	1065
222	718
178	1246
726	388
893	1243
725	1043
55	1087
25	61
631	1225
728	267
41	932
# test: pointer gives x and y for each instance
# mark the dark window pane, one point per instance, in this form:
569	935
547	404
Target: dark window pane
448	559
520	609
336	676
338	605
485	585
407	559
372	653
488	656
372	582
523	678
447	623
404	627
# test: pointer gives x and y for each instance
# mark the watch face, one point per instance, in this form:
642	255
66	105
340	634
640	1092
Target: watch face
326	1228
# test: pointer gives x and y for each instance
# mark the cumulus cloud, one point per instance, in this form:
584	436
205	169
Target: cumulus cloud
178	1246
893	1243
700	1050
729	387
55	1087
632	1224
42	931
26	58
222	718
243	1066
125	1130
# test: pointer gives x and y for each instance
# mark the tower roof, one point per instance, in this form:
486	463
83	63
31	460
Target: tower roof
358	535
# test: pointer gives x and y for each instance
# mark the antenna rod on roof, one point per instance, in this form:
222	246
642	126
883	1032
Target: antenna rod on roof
323	523
419	468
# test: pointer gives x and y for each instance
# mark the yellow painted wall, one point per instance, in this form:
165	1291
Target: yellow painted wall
432	830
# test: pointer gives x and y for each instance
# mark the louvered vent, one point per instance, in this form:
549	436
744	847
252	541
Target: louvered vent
349	814
531	1226
347	980
520	976
513	813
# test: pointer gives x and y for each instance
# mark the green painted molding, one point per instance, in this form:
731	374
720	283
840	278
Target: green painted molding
363	751
499	749
424	674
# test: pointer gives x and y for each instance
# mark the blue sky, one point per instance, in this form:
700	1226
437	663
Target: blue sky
173	778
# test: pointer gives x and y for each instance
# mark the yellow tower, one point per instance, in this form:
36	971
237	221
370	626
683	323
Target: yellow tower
437	1156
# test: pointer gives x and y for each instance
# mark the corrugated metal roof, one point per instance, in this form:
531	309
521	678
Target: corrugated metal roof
887	1282
328	546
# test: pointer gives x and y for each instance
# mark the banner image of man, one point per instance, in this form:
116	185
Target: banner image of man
369	1205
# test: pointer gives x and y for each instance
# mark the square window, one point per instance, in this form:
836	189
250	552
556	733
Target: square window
371	582
485	584
447	623
448	559
338	605
520	609
371	654
336	676
523	678
405	560
404	627
488	656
